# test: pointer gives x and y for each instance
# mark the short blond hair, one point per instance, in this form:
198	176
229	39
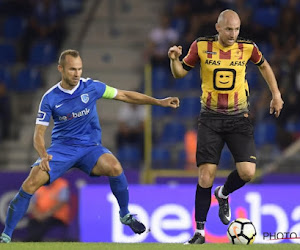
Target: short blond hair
71	52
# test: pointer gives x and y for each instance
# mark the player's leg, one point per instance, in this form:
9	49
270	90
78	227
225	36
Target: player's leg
108	165
19	204
100	161
241	144
209	147
62	161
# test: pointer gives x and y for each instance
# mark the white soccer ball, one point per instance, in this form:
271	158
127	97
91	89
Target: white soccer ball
241	231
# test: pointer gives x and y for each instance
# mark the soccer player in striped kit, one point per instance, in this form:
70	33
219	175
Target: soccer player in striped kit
224	113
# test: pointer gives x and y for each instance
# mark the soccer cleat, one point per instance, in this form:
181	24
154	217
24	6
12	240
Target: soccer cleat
224	208
133	223
196	239
4	238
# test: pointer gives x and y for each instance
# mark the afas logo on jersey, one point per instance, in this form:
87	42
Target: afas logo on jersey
72	115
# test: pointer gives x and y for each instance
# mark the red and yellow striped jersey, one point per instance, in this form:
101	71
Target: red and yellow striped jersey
224	86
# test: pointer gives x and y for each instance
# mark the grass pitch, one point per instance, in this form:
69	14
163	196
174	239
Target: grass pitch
137	246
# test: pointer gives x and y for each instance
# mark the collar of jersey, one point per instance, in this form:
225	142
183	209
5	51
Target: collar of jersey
225	49
69	91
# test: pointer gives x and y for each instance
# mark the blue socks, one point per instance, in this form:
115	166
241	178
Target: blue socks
119	188
16	210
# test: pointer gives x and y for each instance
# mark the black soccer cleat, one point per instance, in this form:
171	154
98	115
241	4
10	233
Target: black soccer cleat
136	226
196	239
224	208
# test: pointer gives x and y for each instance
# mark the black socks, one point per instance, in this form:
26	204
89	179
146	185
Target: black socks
202	203
232	183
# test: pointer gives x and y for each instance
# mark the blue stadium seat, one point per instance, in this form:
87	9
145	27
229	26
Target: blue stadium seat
252	3
265	133
181	160
190	82
28	79
159	112
160	78
266	49
189	107
5	77
173	132
226	159
14	27
266	17
252	76
293	126
129	156
8	55
161	157
42	54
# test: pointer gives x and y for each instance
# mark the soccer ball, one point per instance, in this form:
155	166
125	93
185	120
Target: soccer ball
241	231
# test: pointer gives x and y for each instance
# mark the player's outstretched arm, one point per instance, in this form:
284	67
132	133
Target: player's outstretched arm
276	103
138	98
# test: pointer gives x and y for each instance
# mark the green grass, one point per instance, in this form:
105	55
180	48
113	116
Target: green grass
136	246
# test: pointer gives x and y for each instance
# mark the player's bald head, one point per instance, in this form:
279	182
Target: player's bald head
228	15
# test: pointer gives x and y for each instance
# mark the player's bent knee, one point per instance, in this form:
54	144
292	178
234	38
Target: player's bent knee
115	169
247	176
30	185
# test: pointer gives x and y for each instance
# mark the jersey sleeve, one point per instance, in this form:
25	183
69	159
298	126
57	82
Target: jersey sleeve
192	58
256	56
45	112
110	92
105	91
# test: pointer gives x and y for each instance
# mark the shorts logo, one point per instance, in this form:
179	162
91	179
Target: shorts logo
85	98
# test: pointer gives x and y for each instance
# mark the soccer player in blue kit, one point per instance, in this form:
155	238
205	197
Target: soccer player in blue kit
76	139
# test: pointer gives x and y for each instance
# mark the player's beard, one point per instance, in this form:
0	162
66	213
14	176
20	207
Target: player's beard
70	82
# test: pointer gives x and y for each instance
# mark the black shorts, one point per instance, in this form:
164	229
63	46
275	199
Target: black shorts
214	132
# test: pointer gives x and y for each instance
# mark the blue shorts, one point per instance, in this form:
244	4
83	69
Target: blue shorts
66	157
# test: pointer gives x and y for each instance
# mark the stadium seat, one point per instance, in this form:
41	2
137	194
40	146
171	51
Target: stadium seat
293	126
252	76
5	77
266	17
130	156
190	82
266	49
173	132
226	159
42	54
8	55
159	112
181	159
161	157
189	107
265	133
14	27
28	79
160	78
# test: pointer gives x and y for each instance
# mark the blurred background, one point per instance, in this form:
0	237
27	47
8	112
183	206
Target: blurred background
124	43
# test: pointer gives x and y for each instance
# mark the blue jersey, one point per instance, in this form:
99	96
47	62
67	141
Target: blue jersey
74	112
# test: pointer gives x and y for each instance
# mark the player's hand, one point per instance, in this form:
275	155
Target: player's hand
175	52
172	102
44	164
276	105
